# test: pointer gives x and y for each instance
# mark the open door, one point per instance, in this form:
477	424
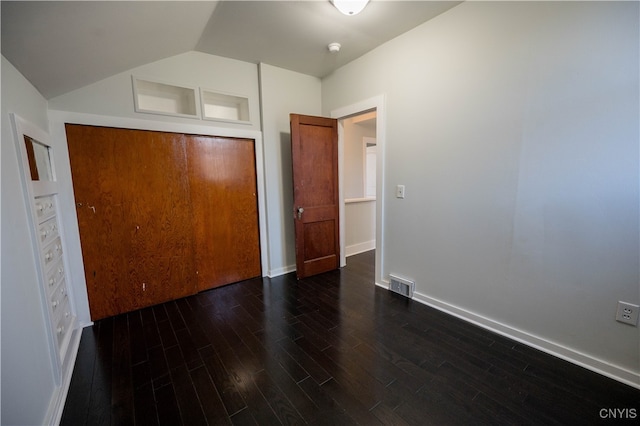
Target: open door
314	151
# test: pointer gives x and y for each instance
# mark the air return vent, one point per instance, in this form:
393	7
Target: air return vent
401	286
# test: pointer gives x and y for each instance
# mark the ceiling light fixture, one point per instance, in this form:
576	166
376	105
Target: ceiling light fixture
334	47
350	7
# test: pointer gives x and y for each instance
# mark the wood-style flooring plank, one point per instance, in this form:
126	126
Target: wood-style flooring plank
77	406
100	395
278	401
145	406
224	382
333	349
191	411
213	407
167	406
122	407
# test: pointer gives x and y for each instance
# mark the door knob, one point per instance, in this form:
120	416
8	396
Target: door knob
300	211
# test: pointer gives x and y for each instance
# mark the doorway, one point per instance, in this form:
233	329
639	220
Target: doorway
360	153
377	105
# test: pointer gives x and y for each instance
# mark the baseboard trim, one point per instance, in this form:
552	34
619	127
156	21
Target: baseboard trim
359	248
596	365
281	271
349	251
59	397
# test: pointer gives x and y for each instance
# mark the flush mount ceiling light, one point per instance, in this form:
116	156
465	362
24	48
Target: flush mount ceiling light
334	47
350	7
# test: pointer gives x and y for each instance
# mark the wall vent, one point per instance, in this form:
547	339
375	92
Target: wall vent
401	286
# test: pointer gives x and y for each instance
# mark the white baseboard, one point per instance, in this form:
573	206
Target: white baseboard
349	251
281	271
359	248
607	369
59	397
85	324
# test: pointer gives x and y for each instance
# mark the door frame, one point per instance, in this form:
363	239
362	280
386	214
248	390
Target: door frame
376	103
58	139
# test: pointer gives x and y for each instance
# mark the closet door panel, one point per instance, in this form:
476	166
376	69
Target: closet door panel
134	216
222	175
160	262
95	186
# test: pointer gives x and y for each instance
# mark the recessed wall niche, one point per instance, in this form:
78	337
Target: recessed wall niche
224	107
157	97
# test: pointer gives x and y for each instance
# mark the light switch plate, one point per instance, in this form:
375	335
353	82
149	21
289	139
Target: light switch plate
400	191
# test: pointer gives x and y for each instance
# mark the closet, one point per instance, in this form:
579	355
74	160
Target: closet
162	215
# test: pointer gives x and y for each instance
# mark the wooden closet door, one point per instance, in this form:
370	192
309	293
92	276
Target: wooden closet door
134	215
222	179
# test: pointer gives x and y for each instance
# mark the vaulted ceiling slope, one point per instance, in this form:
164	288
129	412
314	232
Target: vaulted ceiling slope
60	46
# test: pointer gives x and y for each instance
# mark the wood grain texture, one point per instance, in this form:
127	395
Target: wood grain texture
314	152
162	215
222	181
134	217
329	349
31	158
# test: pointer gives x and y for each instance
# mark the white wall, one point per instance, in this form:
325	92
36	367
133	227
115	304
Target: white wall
113	96
354	160
360	226
360	215
282	92
514	126
27	373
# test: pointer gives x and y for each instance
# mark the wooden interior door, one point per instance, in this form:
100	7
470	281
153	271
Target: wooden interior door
222	179
161	215
314	150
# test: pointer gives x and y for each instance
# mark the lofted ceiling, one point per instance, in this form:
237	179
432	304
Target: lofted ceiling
60	46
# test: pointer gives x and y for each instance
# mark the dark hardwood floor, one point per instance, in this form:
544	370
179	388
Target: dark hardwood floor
332	349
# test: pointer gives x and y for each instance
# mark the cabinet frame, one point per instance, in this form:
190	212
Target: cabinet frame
42	206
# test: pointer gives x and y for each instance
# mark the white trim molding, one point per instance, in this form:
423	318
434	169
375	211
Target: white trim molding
360	248
59	397
276	272
596	365
376	103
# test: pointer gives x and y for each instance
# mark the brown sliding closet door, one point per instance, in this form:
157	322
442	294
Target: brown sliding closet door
161	215
133	217
222	178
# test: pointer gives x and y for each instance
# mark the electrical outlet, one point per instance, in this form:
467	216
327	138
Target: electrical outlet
627	313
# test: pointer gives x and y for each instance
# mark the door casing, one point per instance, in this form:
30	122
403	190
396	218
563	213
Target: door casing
57	120
376	103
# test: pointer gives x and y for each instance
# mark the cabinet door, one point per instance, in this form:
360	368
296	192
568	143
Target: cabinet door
222	179
134	216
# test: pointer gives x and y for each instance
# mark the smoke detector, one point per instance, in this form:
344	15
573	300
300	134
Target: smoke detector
334	47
